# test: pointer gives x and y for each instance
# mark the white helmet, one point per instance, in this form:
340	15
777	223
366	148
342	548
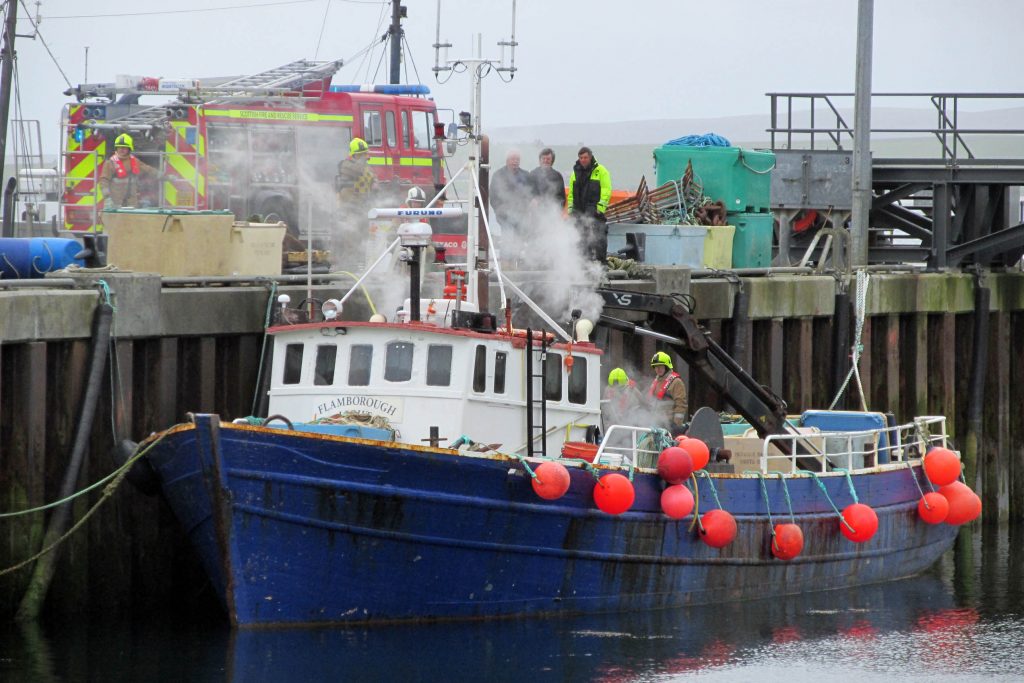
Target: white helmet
416	194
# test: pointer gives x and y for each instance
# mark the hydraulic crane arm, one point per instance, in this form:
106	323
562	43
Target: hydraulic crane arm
669	320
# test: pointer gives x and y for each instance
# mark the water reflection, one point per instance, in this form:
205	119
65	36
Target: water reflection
962	621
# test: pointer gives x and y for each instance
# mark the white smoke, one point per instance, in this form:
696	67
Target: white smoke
545	257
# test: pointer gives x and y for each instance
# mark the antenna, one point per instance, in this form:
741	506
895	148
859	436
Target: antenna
469	125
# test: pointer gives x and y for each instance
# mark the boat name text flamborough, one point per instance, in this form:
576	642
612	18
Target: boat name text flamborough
391	409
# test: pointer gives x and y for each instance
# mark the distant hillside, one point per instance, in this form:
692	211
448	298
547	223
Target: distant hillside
749	127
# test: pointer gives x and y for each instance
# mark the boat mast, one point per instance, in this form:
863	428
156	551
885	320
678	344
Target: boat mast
396	33
477	242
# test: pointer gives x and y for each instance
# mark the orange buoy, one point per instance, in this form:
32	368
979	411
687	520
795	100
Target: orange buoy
964	504
787	542
614	493
552	480
862	519
941	466
675	465
676	501
718	527
933	507
681	438
698	451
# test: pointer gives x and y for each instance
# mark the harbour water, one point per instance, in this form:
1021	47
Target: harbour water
961	621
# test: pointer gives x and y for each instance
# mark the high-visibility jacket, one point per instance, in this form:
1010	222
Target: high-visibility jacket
590	190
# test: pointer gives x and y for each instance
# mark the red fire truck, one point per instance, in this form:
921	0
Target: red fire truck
265	145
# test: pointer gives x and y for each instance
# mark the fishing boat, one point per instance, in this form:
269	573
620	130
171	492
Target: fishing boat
441	465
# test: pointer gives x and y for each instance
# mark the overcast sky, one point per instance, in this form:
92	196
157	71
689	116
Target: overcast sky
593	61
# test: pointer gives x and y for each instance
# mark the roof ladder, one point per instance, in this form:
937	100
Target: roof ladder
292	76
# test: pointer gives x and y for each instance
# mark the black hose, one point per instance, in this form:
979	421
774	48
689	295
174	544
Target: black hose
8	210
42	574
841	356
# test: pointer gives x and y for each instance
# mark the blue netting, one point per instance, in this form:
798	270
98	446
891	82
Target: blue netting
706	140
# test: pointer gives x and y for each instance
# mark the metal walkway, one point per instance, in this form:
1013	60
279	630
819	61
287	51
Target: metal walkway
950	197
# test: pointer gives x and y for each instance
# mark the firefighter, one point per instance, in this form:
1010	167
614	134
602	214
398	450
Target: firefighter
621	399
668	393
590	190
355	180
354	184
120	175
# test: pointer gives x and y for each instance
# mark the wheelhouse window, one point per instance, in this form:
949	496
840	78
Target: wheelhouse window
439	365
323	373
553	377
578	380
359	365
500	360
398	362
480	370
292	364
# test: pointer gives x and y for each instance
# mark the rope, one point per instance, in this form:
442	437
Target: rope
696	504
858	347
767	507
118	476
526	466
829	499
53	260
706	140
87	489
711	483
789	501
849	483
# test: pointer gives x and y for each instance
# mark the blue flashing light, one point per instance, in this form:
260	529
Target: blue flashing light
384	88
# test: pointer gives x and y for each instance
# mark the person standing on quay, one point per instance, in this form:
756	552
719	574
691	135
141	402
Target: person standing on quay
590	189
547	184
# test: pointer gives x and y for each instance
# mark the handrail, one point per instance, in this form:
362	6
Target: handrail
947	129
862	449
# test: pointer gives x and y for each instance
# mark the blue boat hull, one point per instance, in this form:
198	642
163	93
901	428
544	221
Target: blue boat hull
298	529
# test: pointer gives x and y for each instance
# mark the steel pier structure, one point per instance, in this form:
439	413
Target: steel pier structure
948	196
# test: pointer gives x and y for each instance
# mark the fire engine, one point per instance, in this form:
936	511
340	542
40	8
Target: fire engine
266	145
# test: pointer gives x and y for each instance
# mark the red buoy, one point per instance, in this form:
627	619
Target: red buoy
964	504
788	541
552	480
698	451
677	501
675	465
614	494
719	527
933	507
941	466
681	438
862	519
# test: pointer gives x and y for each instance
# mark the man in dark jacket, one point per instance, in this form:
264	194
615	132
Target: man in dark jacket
547	184
590	189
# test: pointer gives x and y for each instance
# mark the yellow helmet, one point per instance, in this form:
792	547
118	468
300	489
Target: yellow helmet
358	146
618	376
124	140
661	358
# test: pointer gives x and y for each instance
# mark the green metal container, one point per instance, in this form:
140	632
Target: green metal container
752	241
739	177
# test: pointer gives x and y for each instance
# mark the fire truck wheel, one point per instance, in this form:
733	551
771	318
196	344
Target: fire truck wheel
277	209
